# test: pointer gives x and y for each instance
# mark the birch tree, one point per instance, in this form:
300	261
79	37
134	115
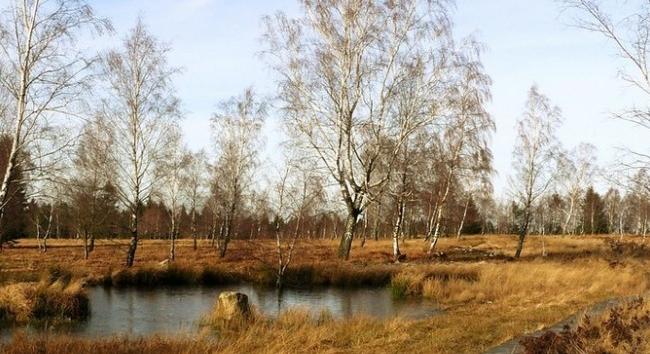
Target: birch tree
614	211
340	66
297	191
173	184
533	157
403	185
43	74
139	110
196	192
284	249
464	141
629	34
237	132
89	187
639	189
576	171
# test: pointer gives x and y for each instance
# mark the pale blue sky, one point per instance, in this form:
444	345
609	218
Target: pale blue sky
216	43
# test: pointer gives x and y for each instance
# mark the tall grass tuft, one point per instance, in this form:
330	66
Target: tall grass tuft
56	297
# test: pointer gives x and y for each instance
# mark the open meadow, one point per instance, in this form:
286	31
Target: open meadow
486	296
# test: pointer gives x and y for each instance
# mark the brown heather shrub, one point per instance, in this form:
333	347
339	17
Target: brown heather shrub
624	329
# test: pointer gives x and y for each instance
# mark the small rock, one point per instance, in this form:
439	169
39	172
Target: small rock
232	305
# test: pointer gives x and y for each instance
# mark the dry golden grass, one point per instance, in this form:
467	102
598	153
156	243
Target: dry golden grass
525	283
24	344
14	305
25	259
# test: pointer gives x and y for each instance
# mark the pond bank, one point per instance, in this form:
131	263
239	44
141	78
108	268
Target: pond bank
175	311
299	276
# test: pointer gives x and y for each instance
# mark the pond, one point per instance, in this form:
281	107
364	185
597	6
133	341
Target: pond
140	312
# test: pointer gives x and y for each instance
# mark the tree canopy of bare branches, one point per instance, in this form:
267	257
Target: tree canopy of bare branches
237	127
533	157
341	66
44	76
138	110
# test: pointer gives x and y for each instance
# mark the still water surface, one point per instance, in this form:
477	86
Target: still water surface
140	312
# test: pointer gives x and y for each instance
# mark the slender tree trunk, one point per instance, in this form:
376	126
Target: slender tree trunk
620	226
396	230
230	222
193	229
217	239
462	221
375	228
38	230
133	245
172	241
591	221
12	160
346	241
296	231
431	223
436	233
222	235
91	247
86	244
279	277
568	218
523	231
58	226
365	230
49	228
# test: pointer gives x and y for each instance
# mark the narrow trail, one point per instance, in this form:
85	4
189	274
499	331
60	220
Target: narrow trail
513	347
